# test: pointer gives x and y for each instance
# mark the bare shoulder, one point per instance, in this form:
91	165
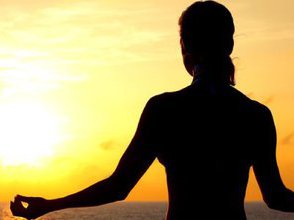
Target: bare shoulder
167	97
252	104
261	109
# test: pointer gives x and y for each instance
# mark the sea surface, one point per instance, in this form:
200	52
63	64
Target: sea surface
140	211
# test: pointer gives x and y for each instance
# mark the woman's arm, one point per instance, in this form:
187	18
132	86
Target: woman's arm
266	170
133	164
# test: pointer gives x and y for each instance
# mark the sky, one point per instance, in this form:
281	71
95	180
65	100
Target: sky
75	76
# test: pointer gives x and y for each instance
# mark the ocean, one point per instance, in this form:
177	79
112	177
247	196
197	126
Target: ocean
141	211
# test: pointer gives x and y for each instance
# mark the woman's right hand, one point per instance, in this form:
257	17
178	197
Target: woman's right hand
36	207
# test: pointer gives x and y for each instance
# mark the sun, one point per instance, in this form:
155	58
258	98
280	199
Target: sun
28	133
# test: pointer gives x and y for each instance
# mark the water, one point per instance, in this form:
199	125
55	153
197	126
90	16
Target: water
141	211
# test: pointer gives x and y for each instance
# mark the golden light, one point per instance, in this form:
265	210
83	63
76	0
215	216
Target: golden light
29	133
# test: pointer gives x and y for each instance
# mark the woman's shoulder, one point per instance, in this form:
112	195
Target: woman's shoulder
252	104
167	97
233	94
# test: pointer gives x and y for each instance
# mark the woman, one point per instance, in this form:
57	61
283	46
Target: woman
207	136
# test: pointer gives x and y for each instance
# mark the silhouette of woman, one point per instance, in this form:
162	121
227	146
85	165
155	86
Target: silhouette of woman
207	136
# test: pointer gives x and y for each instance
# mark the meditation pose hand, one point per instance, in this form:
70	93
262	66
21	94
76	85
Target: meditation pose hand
36	207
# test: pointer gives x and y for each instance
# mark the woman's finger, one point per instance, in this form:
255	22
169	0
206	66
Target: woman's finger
23	198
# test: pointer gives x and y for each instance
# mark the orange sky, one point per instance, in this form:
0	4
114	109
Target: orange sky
75	76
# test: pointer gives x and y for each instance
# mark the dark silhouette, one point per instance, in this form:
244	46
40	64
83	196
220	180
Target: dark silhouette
206	135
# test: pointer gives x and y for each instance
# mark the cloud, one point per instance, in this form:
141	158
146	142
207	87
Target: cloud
87	31
259	24
46	45
287	139
268	100
250	94
108	145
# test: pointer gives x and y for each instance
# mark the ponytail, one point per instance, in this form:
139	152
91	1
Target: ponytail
217	69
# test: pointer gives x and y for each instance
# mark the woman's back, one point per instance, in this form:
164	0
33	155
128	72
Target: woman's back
206	137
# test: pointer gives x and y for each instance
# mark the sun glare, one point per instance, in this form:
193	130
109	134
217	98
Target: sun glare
29	133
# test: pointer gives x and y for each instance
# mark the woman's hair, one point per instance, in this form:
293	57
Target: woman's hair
206	31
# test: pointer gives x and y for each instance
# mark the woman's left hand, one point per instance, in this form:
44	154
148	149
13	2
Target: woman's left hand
37	207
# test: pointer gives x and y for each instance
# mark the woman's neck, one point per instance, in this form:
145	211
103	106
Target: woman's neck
206	78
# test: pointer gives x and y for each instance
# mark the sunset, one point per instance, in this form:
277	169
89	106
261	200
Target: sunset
76	75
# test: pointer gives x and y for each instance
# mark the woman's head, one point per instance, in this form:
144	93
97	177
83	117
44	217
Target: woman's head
206	31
